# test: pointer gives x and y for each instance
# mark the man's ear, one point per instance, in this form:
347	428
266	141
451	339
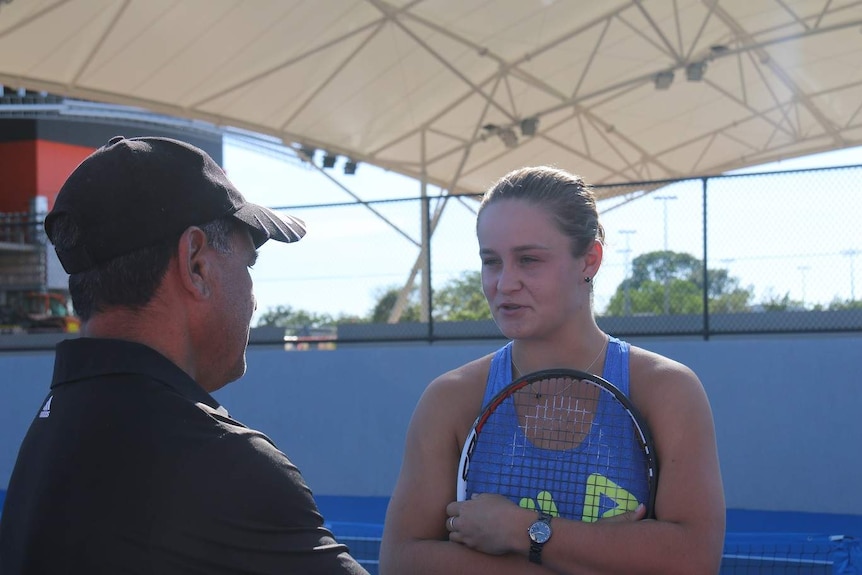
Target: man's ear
193	262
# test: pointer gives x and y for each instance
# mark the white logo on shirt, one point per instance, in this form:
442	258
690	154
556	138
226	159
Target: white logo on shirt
46	409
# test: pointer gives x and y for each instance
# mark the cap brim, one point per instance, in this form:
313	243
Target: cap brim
266	224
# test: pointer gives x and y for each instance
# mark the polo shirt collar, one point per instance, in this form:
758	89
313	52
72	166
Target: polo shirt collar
87	357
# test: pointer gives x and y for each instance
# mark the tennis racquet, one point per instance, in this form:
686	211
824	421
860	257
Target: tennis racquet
563	442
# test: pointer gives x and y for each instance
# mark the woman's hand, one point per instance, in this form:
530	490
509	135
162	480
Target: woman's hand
494	525
487	523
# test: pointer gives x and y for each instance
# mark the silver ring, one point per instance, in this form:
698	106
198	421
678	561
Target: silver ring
450	523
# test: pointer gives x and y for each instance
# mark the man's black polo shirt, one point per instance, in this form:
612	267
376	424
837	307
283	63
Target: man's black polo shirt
130	467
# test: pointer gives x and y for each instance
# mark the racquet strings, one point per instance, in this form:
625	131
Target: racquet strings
563	445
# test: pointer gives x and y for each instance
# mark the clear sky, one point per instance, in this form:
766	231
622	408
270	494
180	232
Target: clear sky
794	236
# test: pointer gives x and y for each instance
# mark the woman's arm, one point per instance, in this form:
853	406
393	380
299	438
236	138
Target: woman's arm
415	538
688	532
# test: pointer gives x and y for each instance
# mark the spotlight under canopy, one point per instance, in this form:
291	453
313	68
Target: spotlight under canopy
509	137
529	126
663	80
694	71
329	160
306	153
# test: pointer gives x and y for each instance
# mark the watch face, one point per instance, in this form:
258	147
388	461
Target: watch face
540	532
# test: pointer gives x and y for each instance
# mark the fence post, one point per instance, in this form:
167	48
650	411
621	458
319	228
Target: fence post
705	265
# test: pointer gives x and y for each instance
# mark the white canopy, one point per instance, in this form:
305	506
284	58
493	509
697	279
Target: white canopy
462	91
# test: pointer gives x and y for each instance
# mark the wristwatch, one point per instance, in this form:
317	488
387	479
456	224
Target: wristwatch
540	532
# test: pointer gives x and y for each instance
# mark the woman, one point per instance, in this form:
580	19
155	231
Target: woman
541	245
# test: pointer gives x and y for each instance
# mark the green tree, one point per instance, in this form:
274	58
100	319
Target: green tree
773	302
461	299
386	299
839	304
300	322
676	279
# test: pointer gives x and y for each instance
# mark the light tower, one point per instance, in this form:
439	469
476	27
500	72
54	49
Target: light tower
627	302
665	199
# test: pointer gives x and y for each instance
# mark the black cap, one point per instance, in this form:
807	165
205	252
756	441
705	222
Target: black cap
137	192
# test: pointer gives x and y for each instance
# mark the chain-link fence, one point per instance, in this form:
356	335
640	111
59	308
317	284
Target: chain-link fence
747	253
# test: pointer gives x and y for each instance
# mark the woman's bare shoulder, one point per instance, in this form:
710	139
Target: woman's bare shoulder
471	374
649	367
457	394
656	378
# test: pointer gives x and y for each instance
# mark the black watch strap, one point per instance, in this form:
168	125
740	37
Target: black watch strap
535	546
535	553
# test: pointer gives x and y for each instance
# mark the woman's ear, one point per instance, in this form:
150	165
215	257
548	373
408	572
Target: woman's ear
593	259
193	262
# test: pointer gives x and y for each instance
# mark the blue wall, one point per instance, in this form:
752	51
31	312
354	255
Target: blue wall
787	416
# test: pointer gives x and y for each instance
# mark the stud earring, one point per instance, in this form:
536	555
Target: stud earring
588	279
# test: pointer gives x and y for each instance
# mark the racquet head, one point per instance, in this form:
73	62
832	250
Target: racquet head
564	442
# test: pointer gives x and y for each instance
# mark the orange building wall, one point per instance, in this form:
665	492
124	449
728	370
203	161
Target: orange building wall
17	175
35	168
54	163
36	156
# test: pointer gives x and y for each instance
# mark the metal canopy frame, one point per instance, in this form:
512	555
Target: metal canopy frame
455	94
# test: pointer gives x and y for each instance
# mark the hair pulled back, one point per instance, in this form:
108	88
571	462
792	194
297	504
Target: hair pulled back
569	201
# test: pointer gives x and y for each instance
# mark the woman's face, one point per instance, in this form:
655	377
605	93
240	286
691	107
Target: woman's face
533	284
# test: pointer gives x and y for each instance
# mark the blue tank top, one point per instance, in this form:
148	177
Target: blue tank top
601	491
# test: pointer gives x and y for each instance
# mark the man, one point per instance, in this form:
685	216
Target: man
130	465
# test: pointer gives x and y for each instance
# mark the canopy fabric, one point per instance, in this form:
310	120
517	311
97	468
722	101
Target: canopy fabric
459	92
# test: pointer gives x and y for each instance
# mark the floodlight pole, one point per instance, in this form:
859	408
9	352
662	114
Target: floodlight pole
851	254
665	200
803	270
627	305
426	253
